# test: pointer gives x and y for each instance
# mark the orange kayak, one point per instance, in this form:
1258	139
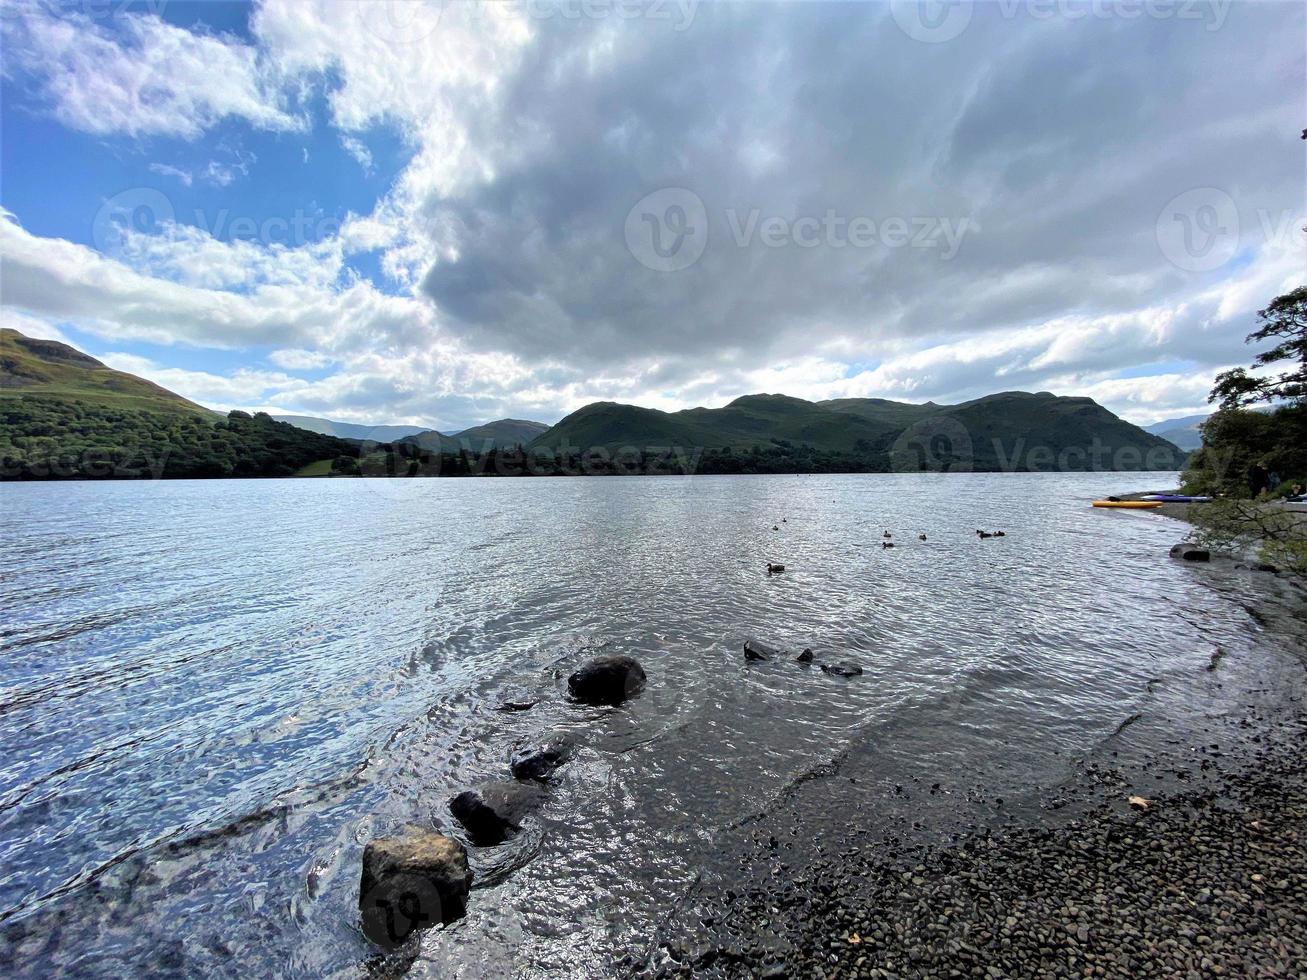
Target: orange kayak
1129	504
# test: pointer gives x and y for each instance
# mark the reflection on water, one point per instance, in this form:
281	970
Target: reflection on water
213	693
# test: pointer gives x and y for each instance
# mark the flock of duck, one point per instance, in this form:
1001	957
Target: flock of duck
774	568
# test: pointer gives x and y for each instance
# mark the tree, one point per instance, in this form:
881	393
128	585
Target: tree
1286	320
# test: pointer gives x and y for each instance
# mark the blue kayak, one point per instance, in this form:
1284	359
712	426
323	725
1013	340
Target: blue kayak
1176	498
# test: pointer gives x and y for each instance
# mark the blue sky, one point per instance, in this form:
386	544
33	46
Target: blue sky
441	213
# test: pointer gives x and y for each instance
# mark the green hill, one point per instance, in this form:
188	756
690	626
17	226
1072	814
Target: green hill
65	415
1007	431
29	366
502	434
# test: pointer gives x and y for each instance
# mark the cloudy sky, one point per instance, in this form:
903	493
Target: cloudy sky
443	213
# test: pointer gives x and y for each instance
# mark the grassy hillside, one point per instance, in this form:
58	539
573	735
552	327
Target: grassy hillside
748	421
65	415
1007	431
29	366
501	434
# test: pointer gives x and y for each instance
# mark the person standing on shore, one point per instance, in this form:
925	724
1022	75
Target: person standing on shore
1273	481
1258	479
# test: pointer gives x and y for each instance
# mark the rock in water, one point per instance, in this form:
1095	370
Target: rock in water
1188	552
414	879
607	680
805	657
757	650
539	761
842	670
493	813
524	704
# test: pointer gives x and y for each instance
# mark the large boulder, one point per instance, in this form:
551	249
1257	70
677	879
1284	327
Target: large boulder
607	680
494	812
757	650
539	761
1184	551
411	880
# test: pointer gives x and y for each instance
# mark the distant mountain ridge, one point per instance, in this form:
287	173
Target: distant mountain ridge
1184	432
500	434
351	430
1009	430
64	414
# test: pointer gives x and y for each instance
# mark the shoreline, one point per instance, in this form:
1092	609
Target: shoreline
1206	880
948	879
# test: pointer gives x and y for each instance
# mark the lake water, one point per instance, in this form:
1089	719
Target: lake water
213	693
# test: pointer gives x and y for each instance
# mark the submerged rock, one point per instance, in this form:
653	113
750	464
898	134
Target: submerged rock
607	680
842	670
517	704
757	650
1184	551
411	880
805	657
493	813
539	761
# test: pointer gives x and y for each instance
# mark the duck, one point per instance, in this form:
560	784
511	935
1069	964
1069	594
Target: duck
774	569
921	537
887	544
1000	534
984	534
775	527
887	535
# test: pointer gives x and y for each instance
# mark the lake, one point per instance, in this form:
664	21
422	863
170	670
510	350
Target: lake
212	694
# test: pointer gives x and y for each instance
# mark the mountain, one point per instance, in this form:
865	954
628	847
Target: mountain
1183	432
351	430
65	415
501	434
749	420
32	367
1006	431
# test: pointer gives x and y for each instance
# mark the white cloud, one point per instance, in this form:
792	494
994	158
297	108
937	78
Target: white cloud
298	359
359	151
167	170
137	74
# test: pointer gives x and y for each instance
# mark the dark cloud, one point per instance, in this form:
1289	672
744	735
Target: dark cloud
1062	140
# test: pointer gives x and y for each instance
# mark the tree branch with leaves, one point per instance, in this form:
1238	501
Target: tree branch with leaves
1285	322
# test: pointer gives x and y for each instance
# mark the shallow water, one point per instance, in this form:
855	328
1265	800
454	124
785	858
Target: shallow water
213	693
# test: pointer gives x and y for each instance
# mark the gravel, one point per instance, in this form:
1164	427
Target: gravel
1200	883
